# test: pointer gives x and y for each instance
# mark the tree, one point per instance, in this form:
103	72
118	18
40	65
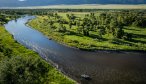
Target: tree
78	23
119	33
70	24
1	56
61	28
3	19
101	32
67	15
51	23
113	25
139	22
23	70
80	29
127	36
86	30
72	17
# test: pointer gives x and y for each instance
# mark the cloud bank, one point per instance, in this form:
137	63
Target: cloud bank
21	0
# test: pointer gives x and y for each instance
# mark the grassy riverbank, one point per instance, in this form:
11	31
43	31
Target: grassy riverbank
92	42
21	65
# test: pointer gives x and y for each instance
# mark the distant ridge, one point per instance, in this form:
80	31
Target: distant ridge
83	6
24	3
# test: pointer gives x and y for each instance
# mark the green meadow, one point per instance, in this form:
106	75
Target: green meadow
51	26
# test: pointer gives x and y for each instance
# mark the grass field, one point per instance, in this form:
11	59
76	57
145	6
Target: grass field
89	42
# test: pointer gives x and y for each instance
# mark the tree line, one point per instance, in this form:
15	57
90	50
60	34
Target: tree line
104	23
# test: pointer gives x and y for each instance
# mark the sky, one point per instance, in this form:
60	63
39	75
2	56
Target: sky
19	3
25	3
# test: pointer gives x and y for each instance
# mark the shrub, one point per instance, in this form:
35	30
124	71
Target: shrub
23	70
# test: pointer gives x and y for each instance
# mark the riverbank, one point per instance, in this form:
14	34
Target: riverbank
102	67
90	43
19	57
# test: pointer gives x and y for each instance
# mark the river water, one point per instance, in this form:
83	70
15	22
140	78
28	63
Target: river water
104	67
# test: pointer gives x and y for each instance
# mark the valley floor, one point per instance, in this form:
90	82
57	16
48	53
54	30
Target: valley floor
91	42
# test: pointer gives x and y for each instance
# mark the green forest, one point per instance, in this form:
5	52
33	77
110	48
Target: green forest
19	65
95	30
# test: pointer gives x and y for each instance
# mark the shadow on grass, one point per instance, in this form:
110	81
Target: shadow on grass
73	33
138	36
91	35
132	29
119	42
97	37
138	41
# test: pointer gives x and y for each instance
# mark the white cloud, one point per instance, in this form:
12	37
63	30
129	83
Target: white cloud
21	0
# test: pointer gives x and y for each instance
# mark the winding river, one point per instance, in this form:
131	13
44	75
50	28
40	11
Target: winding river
104	67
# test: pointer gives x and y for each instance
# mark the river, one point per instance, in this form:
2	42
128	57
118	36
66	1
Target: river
104	67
